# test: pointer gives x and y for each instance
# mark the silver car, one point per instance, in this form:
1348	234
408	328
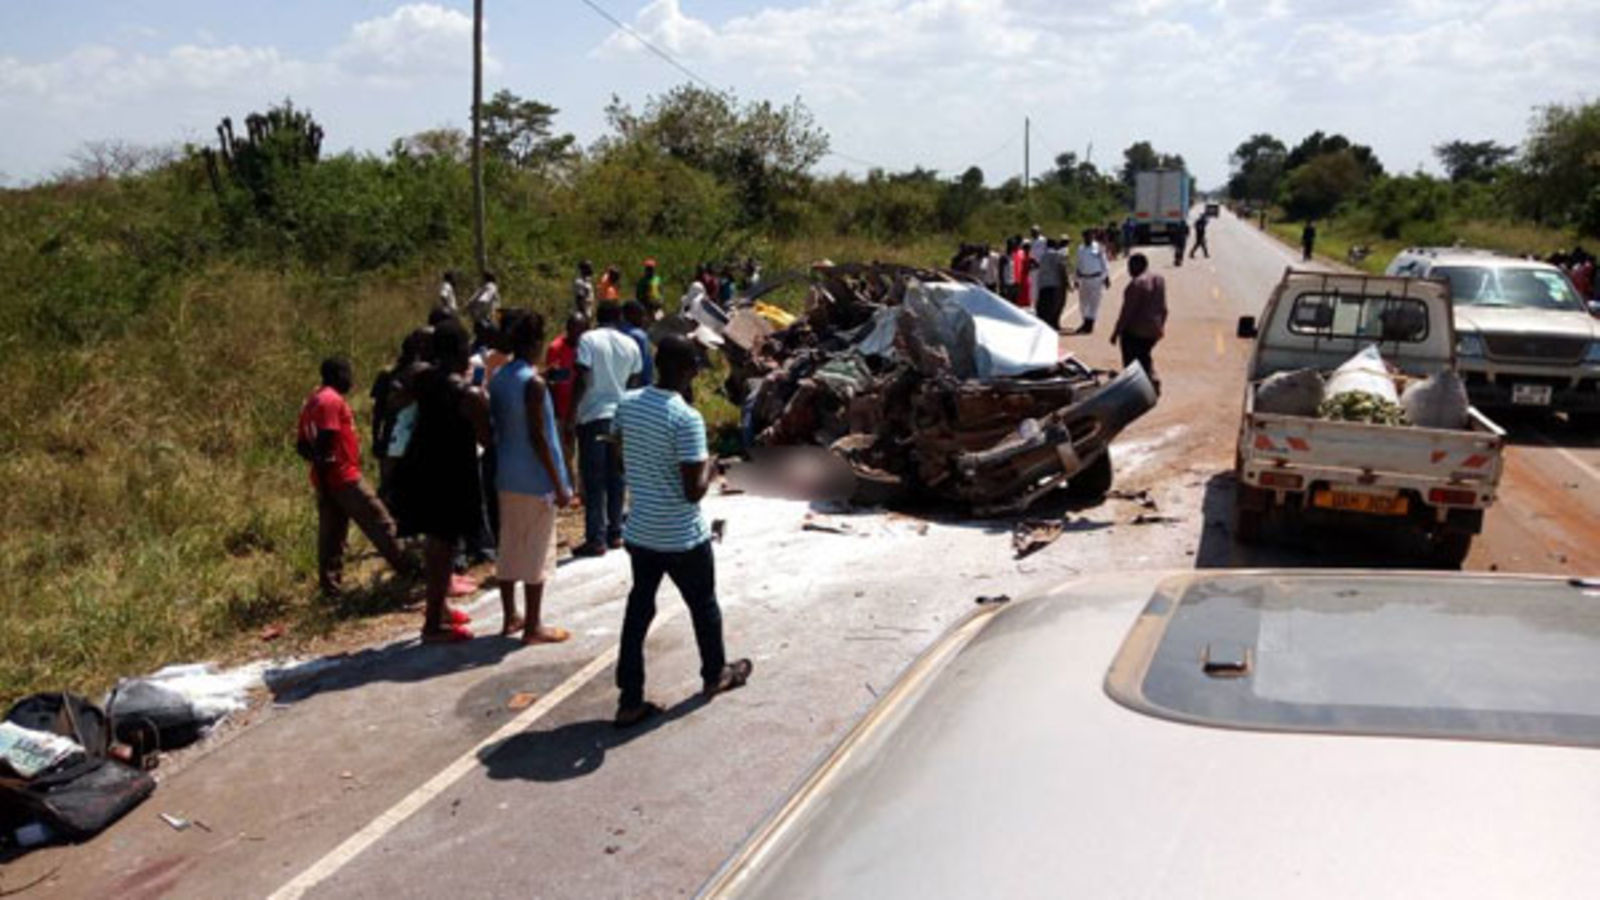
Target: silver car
1524	338
1229	734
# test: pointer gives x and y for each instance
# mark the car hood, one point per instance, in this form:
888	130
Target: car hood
1523	320
1004	769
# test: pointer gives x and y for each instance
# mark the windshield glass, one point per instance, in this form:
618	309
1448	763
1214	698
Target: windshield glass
1509	287
1499	658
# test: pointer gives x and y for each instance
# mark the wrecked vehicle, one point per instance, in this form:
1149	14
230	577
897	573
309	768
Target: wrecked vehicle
927	387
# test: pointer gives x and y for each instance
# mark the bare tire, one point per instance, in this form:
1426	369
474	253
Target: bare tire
1093	481
1450	549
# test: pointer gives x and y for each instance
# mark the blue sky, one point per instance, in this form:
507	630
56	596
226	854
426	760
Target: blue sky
941	83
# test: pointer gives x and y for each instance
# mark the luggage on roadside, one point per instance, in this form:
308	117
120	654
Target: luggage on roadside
152	718
82	793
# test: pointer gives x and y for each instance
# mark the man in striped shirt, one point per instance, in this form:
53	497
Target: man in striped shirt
668	469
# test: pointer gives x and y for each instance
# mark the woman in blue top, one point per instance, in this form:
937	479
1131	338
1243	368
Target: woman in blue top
531	479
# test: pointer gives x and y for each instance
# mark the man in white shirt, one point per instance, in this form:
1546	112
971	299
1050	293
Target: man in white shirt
1094	276
583	289
609	363
482	306
447	292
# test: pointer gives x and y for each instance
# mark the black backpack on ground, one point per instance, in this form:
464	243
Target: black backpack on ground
81	796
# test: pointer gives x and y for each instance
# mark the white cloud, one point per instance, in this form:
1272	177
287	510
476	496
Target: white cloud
936	81
418	40
95	75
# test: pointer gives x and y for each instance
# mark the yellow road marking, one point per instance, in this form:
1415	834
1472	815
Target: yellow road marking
1216	292
1222	346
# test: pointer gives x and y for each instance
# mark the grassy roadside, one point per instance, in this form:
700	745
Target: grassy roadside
157	512
1336	236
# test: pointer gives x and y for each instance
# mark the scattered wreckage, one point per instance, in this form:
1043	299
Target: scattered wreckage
923	386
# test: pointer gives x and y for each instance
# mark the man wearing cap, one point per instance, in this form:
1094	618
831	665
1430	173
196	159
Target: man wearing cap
669	470
648	289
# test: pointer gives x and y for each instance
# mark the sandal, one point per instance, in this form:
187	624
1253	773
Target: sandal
734	675
629	716
452	634
457	616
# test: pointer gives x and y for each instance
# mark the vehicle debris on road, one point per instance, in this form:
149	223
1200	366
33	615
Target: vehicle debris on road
927	387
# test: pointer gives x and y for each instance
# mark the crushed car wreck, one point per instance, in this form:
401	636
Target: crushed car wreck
926	387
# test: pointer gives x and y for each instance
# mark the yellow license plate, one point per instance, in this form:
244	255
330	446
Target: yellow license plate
1355	501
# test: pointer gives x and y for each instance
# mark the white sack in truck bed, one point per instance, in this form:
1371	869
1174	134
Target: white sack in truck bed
1439	401
1362	390
1294	393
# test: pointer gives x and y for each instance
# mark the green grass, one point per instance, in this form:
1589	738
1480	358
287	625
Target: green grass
1336	236
156	511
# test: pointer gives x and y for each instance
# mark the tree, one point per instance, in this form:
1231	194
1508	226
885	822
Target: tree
518	132
765	151
1472	160
1318	144
961	198
1141	157
436	143
1258	167
1316	189
1560	171
276	145
114	158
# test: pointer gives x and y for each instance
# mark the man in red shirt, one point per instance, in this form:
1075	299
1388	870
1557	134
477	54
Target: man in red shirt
326	437
560	369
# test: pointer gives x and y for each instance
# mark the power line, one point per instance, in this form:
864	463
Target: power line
665	56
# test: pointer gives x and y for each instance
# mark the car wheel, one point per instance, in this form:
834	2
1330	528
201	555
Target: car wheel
1092	481
1450	549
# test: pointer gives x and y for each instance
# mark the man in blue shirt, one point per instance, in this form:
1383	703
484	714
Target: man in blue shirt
531	478
668	470
634	319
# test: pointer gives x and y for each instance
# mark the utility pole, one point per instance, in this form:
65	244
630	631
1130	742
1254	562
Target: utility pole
477	136
1027	145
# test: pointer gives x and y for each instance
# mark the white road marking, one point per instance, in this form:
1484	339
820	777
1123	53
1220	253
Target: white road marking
340	856
1570	457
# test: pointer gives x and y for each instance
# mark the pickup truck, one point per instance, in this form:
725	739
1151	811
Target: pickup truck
1289	467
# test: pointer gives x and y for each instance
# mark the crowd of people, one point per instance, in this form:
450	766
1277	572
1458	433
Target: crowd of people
480	428
1579	264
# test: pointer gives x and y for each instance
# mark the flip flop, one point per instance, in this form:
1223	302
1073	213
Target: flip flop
557	636
457	616
453	634
734	675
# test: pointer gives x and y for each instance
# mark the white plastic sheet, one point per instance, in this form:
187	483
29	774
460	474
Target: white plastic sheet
1364	373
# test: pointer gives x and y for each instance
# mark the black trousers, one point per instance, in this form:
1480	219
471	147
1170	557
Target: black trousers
1137	350
1051	301
694	573
1200	247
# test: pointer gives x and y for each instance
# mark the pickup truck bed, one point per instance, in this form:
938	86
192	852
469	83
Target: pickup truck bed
1438	481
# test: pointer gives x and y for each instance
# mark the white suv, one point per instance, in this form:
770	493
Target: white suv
1524	338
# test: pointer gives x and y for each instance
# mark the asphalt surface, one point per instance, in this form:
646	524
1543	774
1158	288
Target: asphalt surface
419	772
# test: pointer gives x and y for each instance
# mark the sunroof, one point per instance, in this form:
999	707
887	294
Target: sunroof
1491	658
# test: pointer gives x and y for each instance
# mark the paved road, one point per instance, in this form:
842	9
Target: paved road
407	773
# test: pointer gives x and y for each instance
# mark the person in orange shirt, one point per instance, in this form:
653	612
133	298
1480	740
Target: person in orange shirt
611	284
